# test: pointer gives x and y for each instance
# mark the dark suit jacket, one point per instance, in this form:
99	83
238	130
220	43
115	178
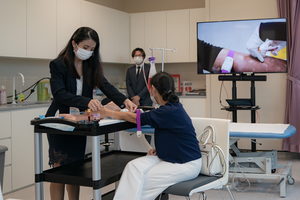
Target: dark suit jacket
138	87
64	88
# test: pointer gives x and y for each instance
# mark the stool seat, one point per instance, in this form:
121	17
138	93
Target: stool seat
184	188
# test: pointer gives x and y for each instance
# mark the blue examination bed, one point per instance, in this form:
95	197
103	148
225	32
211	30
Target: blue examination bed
257	165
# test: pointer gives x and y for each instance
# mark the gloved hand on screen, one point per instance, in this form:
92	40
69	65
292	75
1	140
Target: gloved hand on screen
274	46
253	44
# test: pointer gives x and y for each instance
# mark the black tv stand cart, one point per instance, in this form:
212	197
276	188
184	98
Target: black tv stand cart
243	77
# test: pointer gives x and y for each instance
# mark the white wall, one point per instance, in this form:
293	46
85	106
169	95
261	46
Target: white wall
270	95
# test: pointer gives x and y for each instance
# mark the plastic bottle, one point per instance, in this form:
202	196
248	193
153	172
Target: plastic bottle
21	96
3	95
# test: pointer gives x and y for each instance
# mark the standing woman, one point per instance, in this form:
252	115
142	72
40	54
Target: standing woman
74	74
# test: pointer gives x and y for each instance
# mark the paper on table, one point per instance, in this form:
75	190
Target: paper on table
61	127
109	121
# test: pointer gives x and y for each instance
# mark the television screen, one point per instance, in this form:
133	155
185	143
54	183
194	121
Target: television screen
256	46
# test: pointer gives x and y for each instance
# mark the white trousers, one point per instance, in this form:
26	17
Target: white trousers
146	177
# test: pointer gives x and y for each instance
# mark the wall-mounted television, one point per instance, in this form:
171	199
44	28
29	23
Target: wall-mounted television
243	46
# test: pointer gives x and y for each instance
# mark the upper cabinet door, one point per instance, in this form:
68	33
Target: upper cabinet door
137	32
111	35
156	33
13	28
92	17
178	35
124	49
68	21
196	15
41	29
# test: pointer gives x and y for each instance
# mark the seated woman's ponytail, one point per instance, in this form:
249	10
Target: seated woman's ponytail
164	84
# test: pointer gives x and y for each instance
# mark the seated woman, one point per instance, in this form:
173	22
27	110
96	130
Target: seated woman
177	155
211	58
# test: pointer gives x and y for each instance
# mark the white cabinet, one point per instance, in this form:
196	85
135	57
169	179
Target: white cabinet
167	29
124	45
196	15
92	17
5	120
7	184
68	21
7	143
156	33
194	106
112	27
41	29
115	36
178	35
13	28
137	32
23	146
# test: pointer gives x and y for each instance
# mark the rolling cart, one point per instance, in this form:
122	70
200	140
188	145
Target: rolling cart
98	171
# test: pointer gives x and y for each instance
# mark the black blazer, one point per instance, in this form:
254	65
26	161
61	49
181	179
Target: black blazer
138	87
63	87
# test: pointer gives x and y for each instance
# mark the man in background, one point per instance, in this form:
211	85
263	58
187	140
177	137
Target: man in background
135	80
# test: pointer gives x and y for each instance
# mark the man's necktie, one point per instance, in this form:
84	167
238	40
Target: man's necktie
138	73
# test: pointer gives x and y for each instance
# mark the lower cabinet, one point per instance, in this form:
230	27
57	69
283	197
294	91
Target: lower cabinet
22	140
194	106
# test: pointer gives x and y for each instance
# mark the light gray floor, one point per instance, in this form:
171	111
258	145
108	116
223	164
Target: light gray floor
264	190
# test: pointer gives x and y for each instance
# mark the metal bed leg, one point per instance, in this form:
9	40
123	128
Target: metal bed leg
230	194
38	166
96	167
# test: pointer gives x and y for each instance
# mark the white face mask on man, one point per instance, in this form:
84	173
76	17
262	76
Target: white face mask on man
138	60
83	54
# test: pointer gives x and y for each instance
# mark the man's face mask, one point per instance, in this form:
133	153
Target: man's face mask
138	60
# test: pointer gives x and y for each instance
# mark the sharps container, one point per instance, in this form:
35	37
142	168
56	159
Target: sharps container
3	149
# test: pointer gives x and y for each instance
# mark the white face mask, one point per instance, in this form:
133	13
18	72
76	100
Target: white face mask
138	60
83	54
152	97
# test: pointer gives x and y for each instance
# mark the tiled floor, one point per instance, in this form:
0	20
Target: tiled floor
266	190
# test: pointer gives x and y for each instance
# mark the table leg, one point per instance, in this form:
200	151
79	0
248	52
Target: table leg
116	141
38	161
96	167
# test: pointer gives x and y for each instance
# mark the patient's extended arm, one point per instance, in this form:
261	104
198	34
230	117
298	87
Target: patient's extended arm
104	112
246	63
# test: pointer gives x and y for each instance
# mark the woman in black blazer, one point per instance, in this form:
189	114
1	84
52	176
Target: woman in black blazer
74	74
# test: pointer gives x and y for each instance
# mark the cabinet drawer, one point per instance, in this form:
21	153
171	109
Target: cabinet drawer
5	124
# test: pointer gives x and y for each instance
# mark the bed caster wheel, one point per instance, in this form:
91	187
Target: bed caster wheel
290	180
273	171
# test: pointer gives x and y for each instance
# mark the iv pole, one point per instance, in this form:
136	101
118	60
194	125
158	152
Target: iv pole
163	54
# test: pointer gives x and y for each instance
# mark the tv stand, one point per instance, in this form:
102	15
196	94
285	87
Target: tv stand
243	77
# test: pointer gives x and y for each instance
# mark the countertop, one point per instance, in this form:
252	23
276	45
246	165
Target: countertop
25	105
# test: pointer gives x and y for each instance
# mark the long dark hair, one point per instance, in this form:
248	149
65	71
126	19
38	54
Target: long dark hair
94	72
164	84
